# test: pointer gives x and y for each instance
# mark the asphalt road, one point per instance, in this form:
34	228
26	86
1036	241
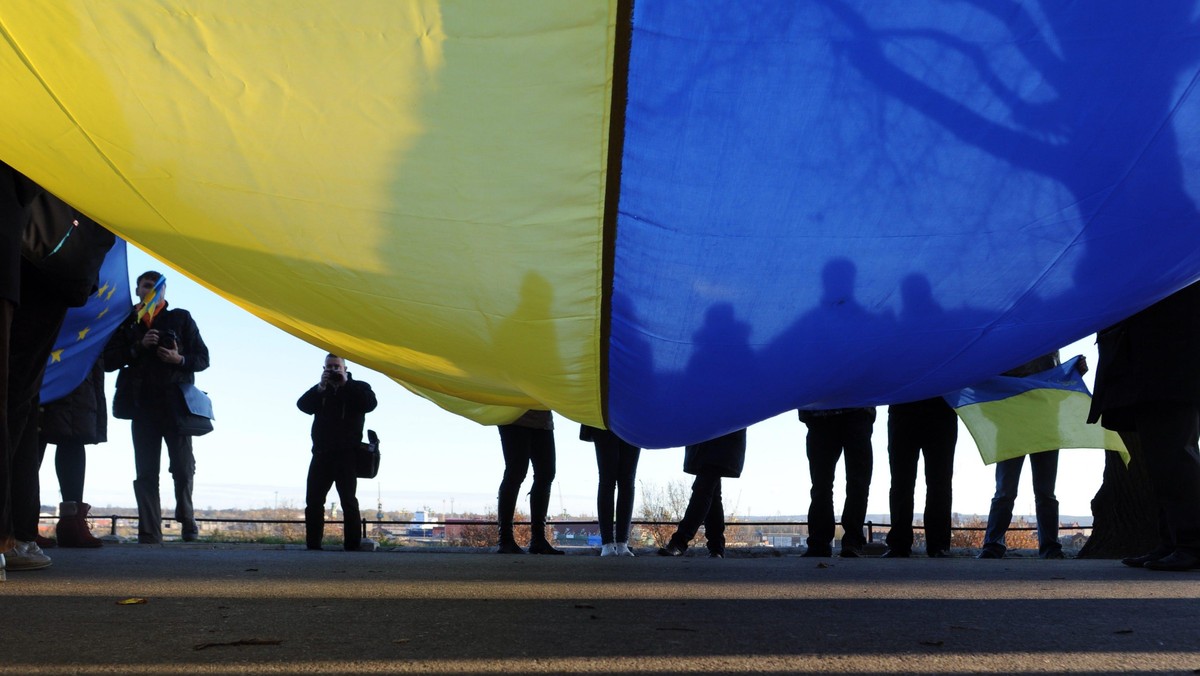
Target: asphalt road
247	609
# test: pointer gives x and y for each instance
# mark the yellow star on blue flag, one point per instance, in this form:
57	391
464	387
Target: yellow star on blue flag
86	329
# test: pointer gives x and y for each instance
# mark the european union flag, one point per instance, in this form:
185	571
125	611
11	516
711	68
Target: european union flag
86	329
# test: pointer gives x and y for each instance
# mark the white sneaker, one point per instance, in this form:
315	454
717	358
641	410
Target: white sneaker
2	577
623	549
608	550
26	556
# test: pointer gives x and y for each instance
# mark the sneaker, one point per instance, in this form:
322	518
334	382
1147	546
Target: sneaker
938	554
670	550
1056	554
3	577
849	552
716	555
623	549
896	554
26	556
608	550
989	554
817	552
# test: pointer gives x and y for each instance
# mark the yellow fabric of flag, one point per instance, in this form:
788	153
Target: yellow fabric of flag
1041	419
415	185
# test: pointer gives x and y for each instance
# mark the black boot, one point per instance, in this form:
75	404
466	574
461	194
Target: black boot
149	512
538	506
506	506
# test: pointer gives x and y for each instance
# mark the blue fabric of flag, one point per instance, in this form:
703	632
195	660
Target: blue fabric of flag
1065	376
86	329
846	203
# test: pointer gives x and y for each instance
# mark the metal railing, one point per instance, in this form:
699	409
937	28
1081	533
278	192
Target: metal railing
113	519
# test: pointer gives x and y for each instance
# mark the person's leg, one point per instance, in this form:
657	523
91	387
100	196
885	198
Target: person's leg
183	471
941	437
72	529
1169	433
147	459
608	459
1044	467
35	326
823	446
542	457
26	489
7	541
347	490
697	510
320	479
626	484
859	455
1008	477
515	444
70	463
903	452
714	523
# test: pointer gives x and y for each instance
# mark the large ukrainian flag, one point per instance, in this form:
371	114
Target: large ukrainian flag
670	218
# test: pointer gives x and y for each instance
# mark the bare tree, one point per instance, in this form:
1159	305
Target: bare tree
665	505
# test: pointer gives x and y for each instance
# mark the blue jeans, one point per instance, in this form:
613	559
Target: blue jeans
1044	466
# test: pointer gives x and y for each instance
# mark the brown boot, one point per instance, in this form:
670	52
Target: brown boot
73	529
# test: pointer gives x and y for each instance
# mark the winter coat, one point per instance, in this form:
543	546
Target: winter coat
535	419
339	415
81	417
723	455
1149	357
148	388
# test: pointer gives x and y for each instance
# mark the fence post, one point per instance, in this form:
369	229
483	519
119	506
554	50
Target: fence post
113	530
870	532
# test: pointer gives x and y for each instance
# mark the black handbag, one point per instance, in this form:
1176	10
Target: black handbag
194	413
366	460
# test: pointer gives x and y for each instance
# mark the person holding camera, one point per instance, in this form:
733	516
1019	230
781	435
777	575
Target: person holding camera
339	406
158	349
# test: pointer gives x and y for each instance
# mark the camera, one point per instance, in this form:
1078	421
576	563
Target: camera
168	339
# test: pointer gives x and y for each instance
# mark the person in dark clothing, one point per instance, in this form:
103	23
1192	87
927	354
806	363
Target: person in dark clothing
1148	390
156	350
928	426
1044	466
528	440
831	432
71	423
617	461
13	214
709	462
50	283
339	406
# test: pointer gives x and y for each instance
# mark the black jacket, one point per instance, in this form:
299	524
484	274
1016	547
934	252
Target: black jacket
724	455
339	415
81	416
146	386
1149	357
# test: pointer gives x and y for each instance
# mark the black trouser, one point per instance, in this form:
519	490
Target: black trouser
327	470
523	446
149	433
705	507
7	307
35	326
617	462
935	434
1167	434
828	436
70	465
